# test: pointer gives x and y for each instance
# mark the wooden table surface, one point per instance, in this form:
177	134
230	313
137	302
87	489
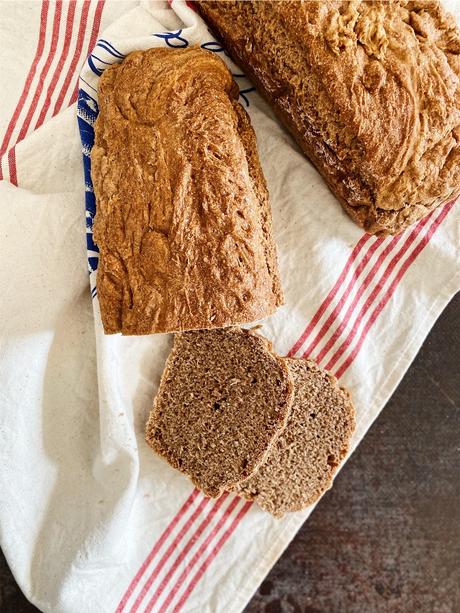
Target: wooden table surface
386	538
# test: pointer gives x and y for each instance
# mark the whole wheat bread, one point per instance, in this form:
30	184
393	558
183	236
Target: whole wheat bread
370	91
183	221
223	399
304	458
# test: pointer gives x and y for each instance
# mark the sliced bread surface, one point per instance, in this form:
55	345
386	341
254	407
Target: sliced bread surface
304	458
223	399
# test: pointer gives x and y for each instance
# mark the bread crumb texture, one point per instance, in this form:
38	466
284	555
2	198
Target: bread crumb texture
223	399
303	460
232	415
183	221
370	90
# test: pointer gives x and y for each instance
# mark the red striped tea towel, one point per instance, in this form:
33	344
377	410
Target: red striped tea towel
90	519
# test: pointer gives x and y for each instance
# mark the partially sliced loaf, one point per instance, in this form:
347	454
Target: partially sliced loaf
303	460
183	221
224	397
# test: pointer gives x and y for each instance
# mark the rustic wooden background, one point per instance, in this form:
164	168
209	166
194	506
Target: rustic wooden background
386	538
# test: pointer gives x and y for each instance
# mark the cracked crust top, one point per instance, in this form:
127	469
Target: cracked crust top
370	91
183	221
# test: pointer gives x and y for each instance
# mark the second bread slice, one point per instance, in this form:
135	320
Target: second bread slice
224	398
303	460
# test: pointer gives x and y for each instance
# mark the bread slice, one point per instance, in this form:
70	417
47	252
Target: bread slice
183	221
369	90
303	460
223	399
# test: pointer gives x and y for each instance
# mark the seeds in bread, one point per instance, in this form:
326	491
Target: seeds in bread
224	397
303	460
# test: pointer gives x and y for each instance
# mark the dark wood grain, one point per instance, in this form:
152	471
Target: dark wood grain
387	536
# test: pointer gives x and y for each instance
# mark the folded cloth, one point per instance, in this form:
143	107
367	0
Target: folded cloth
90	519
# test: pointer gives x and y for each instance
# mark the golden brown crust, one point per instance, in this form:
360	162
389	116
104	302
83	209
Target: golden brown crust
370	91
183	221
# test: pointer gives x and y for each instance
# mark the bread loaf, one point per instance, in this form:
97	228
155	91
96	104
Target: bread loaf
302	461
370	91
183	221
223	399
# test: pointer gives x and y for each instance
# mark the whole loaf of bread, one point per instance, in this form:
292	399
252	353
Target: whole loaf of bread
370	91
183	221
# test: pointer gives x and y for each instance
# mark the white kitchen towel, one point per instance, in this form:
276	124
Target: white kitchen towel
90	519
